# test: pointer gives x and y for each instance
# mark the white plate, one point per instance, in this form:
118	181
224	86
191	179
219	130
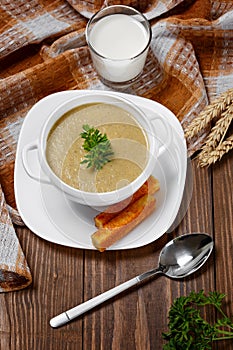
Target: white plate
51	216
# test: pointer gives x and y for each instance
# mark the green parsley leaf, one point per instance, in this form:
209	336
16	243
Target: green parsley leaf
98	146
188	330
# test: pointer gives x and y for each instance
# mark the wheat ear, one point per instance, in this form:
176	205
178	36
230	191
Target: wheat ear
217	153
209	113
218	132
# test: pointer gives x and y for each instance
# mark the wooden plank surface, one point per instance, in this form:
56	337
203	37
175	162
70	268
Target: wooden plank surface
64	277
223	233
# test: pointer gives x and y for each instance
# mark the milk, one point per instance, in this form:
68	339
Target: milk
119	45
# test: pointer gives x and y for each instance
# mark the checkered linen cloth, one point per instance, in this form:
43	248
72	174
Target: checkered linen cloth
190	62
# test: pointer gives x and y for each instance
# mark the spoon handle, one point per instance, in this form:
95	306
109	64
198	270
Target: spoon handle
80	309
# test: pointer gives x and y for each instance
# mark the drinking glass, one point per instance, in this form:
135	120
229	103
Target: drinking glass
118	37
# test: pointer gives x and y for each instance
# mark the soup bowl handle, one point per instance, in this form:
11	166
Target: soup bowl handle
26	149
168	137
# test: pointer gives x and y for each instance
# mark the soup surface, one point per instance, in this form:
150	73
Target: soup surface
64	150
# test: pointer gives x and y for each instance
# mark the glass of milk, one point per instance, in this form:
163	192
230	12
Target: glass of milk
118	37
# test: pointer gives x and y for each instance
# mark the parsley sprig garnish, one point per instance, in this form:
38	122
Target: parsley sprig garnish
188	330
98	146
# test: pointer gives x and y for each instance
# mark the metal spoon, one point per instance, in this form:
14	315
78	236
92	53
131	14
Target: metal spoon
179	258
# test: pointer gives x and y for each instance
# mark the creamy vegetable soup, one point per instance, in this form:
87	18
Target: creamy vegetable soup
64	150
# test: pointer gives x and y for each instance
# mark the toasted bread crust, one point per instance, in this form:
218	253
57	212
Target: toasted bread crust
123	223
149	187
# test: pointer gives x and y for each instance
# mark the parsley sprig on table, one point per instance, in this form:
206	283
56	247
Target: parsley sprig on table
188	330
98	147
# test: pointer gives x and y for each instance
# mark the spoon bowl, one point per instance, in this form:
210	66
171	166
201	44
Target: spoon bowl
179	258
185	254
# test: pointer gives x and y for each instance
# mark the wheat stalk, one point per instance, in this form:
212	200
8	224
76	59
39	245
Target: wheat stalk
217	153
218	132
216	137
209	113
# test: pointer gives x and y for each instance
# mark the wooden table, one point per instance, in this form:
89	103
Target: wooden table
64	277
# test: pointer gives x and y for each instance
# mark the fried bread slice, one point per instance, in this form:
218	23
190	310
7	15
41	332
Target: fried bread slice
120	225
149	187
